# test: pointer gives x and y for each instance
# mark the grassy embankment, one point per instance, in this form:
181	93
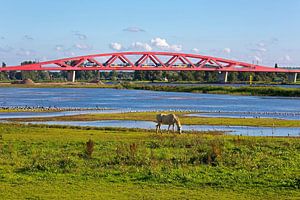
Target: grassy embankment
61	85
185	120
40	162
246	90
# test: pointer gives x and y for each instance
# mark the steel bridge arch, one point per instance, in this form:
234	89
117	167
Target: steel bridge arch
162	61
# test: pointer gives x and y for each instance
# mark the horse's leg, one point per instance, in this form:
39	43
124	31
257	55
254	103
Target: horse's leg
173	129
160	128
169	128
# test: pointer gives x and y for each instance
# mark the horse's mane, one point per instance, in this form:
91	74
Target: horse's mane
177	121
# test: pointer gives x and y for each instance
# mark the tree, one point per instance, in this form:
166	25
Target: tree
199	76
186	76
113	75
4	75
242	76
138	75
210	77
232	76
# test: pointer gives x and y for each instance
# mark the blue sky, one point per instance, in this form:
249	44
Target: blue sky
263	31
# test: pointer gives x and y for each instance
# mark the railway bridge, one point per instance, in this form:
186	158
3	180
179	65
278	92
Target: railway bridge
150	61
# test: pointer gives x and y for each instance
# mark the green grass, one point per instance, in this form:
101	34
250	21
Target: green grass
185	120
61	85
246	90
44	162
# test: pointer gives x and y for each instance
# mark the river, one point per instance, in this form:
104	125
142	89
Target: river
209	105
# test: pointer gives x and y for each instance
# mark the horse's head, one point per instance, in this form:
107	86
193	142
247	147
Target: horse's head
179	129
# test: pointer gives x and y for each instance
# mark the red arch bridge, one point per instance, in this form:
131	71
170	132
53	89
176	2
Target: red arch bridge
163	61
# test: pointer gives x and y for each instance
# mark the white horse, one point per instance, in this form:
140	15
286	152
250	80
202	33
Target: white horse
168	119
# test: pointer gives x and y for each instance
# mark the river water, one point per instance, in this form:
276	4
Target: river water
233	130
209	105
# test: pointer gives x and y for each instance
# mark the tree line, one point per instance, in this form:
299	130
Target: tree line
167	76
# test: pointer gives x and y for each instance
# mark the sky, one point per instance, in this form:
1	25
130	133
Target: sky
255	31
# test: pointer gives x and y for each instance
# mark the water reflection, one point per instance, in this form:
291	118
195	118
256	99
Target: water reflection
234	130
11	115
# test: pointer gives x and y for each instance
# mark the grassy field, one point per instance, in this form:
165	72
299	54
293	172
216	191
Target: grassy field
44	162
185	120
245	90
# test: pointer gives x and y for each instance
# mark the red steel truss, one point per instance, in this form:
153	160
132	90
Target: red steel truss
165	61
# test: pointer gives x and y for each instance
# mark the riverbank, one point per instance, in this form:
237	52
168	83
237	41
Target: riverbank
242	90
4	109
61	85
45	162
184	118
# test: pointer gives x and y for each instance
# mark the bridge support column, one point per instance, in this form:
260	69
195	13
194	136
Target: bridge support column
71	76
292	77
222	77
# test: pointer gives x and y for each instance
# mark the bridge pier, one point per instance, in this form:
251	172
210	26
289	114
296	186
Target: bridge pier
292	77
222	77
71	76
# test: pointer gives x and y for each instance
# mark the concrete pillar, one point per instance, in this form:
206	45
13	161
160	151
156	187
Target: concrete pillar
222	77
292	77
71	76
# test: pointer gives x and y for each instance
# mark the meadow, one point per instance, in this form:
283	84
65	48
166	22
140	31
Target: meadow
184	118
61	162
243	90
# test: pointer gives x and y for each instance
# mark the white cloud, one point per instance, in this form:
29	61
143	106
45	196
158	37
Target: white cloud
227	50
59	47
160	43
134	29
221	52
195	50
175	47
164	45
82	46
259	49
157	43
141	46
261	44
116	46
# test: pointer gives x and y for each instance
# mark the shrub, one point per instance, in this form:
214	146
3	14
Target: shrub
89	148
